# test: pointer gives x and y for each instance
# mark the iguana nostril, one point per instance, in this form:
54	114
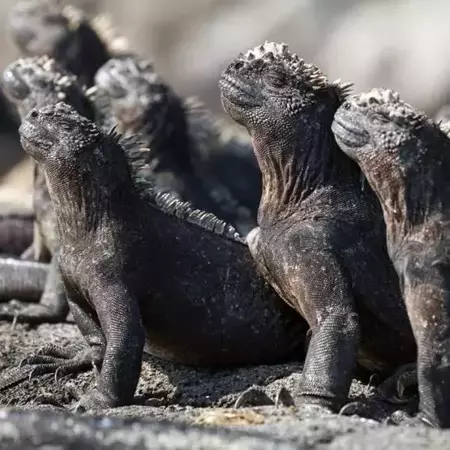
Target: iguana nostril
34	114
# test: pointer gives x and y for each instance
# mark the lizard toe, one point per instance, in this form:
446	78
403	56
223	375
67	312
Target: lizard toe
48	399
284	398
62	361
393	388
253	396
361	408
404	419
95	399
57	351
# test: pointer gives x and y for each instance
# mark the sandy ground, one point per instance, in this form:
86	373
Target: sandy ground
165	390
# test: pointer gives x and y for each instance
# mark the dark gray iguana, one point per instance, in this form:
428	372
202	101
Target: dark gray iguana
321	236
79	44
141	267
29	83
192	156
403	155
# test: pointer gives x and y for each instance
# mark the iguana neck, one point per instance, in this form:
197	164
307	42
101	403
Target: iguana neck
295	163
166	134
91	198
72	51
409	196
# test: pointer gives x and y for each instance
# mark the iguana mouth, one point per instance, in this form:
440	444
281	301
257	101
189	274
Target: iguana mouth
27	131
237	92
30	138
348	134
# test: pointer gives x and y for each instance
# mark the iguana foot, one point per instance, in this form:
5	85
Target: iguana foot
34	314
404	419
361	408
94	399
63	361
393	389
253	396
311	410
284	398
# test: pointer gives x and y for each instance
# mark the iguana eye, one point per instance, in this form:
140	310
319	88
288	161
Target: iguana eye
275	79
65	126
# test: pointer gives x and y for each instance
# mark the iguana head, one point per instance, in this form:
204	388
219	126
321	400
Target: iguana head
270	88
38	27
136	93
378	125
46	27
39	81
57	134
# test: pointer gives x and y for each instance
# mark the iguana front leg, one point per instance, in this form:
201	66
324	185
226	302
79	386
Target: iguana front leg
116	343
120	318
324	298
427	299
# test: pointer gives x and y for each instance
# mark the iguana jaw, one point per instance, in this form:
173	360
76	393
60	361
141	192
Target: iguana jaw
33	140
237	92
349	132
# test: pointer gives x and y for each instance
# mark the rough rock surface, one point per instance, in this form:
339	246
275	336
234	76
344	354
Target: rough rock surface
178	407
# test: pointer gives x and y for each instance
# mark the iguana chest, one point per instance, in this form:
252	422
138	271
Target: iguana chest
265	260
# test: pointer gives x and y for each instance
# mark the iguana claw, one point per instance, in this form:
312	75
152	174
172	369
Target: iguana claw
404	419
393	388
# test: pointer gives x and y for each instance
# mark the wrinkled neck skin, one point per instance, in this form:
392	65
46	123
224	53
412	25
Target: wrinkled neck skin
414	199
91	197
296	162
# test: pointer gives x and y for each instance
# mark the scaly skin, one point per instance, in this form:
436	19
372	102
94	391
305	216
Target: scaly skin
29	83
405	156
191	156
140	267
321	236
46	27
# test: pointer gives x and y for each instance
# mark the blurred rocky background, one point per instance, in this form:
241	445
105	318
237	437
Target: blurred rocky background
400	44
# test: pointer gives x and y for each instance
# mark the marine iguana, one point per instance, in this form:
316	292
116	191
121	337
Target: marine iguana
402	153
140	267
321	237
28	83
191	155
79	44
